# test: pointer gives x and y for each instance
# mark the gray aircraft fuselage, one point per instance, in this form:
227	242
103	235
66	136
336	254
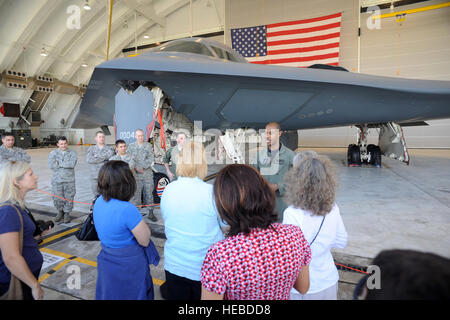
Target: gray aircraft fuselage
231	93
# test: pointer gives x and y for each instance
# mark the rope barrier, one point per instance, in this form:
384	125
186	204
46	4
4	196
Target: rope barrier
89	204
151	205
347	267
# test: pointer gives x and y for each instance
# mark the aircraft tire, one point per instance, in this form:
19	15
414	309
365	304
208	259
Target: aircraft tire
353	156
370	150
375	157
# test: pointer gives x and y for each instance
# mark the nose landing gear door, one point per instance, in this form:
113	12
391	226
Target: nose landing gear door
392	142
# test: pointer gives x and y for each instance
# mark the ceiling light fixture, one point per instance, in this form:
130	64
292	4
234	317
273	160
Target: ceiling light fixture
146	36
44	52
86	5
84	64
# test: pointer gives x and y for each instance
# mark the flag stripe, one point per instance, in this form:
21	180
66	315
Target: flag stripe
301	45
304	49
282	24
304	25
304	35
304	30
302	59
303	40
332	61
303	54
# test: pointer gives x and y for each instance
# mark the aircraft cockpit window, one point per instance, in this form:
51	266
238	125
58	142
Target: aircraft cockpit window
231	57
188	46
219	53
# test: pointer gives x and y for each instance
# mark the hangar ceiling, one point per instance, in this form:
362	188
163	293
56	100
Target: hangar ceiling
64	41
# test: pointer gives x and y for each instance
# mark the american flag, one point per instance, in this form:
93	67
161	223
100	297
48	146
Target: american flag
294	43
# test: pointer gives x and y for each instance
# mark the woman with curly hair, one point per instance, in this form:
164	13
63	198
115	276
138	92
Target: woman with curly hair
311	191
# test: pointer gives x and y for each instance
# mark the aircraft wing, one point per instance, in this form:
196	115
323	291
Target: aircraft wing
224	94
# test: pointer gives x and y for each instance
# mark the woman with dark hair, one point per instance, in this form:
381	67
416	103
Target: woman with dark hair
123	263
259	259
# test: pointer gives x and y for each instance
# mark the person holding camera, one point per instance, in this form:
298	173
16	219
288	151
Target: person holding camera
20	259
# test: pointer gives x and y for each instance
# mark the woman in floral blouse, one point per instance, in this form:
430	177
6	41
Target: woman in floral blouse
259	259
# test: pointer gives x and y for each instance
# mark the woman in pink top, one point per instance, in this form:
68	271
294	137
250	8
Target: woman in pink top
259	259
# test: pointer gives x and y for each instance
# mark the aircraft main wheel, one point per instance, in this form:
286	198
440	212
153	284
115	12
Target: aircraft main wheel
370	150
160	181
375	155
353	156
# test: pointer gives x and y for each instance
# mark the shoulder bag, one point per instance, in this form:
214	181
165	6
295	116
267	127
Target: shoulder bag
317	231
87	231
15	287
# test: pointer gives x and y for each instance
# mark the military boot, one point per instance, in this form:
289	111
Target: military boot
59	216
66	217
151	216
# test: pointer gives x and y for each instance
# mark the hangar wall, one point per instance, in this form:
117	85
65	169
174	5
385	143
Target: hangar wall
417	48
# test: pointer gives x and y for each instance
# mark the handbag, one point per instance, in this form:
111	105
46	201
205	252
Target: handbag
15	287
87	231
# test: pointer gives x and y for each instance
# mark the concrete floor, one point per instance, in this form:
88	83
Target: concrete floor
396	206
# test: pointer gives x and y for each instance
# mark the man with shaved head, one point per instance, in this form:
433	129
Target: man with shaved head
142	154
273	162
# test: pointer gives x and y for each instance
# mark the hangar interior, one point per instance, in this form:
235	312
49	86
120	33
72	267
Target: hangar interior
49	49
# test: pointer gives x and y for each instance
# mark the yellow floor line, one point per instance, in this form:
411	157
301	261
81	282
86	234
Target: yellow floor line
59	235
91	263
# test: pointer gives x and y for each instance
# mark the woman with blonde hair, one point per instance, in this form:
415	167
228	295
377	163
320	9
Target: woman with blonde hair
191	224
20	259
311	193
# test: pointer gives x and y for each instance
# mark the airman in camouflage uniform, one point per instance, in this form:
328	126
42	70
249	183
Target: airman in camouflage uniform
97	156
142	154
273	163
10	153
123	155
171	156
62	162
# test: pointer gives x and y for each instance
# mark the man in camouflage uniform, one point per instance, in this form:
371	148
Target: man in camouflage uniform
123	155
10	153
97	156
171	156
62	162
273	163
142	154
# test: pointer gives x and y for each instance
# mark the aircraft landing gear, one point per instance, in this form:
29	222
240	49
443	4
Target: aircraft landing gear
361	153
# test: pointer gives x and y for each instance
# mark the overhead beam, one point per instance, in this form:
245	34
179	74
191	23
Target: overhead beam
148	11
410	11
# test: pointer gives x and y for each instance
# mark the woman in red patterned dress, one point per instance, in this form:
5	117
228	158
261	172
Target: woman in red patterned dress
259	259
